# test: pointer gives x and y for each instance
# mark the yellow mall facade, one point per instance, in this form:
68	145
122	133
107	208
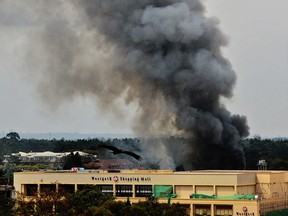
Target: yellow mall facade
204	192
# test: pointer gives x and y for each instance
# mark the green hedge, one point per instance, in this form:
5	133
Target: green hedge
283	212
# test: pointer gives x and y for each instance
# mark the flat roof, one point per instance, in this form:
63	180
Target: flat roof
139	171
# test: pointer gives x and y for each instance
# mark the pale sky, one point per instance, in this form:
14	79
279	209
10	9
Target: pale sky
258	51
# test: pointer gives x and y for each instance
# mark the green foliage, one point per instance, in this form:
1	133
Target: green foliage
277	163
8	146
98	211
152	207
117	208
90	201
85	199
274	151
283	212
72	160
7	204
13	136
44	204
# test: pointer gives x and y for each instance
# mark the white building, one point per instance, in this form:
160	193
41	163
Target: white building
47	157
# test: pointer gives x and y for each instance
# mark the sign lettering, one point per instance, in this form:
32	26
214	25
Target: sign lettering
245	214
121	179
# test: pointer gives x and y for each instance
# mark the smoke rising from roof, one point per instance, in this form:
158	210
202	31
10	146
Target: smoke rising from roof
162	56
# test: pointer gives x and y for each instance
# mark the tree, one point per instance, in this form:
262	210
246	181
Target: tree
13	136
91	201
46	203
7	204
152	207
98	211
72	160
87	198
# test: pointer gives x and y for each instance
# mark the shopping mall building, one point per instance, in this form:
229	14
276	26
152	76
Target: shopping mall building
221	193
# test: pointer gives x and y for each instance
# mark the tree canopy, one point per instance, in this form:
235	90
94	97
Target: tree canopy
13	136
90	201
274	151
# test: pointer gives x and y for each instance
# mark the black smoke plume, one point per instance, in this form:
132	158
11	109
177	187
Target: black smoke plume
162	56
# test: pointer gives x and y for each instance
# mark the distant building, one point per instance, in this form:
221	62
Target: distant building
202	193
53	159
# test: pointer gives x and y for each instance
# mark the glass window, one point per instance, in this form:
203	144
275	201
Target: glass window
106	189
81	186
30	189
202	210
47	188
124	190
143	190
66	188
223	210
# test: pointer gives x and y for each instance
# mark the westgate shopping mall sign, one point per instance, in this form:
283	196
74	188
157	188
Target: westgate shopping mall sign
120	179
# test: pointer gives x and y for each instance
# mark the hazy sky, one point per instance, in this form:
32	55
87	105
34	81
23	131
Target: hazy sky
258	51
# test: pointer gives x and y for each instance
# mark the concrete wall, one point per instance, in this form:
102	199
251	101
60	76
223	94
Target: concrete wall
246	189
133	178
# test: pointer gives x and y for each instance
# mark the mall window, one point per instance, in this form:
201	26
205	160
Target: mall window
106	189
66	188
81	186
143	190
223	210
202	210
186	207
30	189
47	188
124	191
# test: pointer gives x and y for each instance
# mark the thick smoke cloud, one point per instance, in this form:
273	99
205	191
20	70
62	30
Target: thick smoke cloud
162	56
